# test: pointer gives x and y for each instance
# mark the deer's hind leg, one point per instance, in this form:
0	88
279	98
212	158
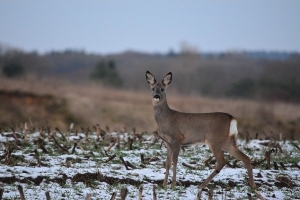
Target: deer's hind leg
221	162
233	150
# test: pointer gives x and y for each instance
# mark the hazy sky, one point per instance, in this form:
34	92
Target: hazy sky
150	26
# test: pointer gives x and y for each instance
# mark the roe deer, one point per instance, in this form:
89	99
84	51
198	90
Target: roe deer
217	130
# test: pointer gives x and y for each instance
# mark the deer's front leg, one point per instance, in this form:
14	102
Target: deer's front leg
175	150
168	164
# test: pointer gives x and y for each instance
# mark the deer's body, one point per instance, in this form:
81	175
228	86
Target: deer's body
192	128
217	130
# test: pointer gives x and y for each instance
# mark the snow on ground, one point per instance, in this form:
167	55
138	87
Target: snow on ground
72	176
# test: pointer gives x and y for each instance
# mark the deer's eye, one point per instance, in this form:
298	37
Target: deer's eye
162	89
153	89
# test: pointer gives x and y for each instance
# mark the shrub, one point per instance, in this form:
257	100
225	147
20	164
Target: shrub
242	88
107	73
13	68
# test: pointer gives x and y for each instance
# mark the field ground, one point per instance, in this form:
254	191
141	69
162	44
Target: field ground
76	165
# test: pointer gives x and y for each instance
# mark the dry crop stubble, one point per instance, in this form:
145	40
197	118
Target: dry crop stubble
64	173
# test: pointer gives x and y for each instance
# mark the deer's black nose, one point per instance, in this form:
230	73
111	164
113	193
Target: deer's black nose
156	97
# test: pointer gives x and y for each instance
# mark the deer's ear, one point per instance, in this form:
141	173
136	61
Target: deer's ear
168	79
150	78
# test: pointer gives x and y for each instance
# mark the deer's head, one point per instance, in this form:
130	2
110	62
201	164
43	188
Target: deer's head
158	88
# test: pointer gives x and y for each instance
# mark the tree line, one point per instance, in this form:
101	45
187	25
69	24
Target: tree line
231	74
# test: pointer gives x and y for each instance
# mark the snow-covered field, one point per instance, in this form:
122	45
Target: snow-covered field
66	172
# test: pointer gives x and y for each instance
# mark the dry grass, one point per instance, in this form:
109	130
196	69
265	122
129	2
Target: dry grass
118	108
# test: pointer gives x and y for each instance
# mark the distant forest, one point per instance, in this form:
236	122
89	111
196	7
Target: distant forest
270	76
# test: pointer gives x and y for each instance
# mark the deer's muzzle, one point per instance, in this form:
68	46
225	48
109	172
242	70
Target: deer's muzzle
156	97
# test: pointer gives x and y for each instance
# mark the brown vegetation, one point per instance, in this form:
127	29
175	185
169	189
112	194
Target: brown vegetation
91	104
18	106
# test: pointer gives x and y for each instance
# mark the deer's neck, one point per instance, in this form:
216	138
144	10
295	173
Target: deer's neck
161	112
